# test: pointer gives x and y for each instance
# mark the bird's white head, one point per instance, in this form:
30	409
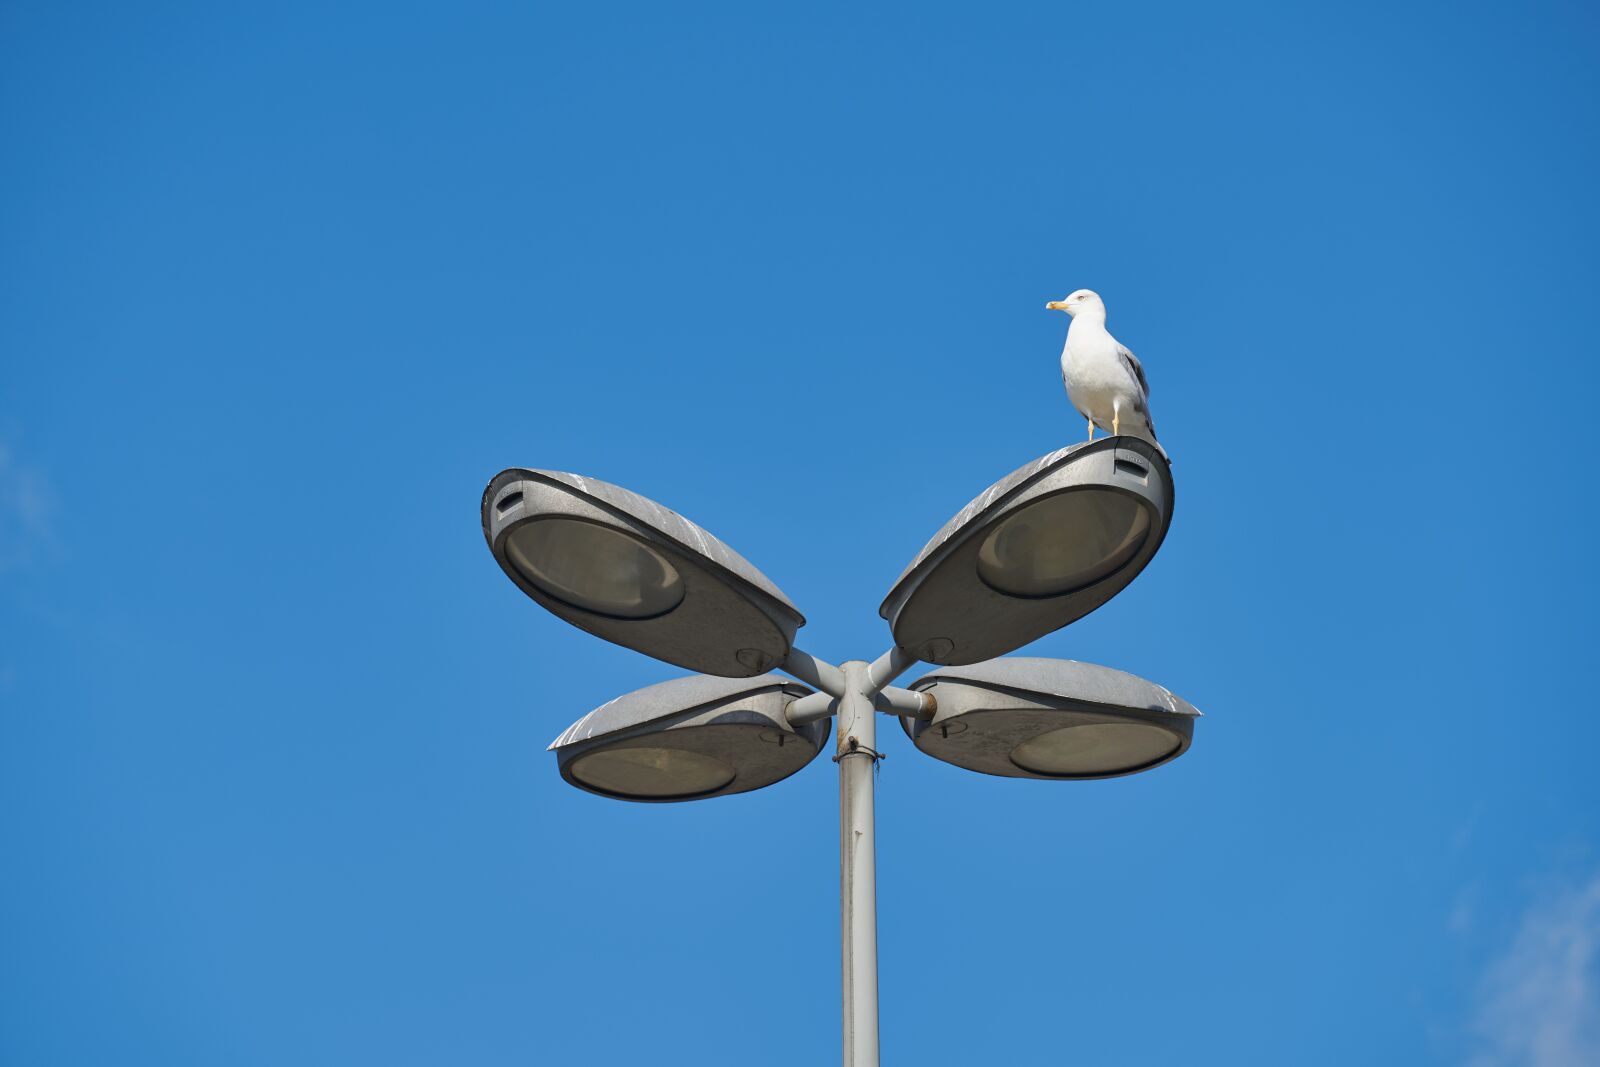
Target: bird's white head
1084	301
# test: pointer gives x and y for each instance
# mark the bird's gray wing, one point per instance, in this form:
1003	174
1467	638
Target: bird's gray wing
1134	367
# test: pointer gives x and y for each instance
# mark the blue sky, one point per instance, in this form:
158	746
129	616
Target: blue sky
280	289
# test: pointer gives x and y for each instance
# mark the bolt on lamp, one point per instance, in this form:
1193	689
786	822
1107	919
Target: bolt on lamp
1036	551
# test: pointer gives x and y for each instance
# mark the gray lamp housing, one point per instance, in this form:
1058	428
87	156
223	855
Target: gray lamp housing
690	739
629	570
1039	549
1023	717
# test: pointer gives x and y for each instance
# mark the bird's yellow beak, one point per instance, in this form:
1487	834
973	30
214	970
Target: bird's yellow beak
1056	305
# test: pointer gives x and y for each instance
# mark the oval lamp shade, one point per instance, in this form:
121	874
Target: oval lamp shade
1023	717
1039	549
629	570
689	739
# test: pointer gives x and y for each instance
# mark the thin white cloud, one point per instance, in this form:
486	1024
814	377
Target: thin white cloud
27	510
1540	1001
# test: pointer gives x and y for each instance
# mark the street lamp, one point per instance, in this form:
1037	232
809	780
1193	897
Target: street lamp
1050	718
626	569
689	739
1037	550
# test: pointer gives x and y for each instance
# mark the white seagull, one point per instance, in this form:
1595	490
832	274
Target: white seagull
1104	381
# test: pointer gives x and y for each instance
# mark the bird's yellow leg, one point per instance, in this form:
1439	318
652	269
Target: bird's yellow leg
1091	429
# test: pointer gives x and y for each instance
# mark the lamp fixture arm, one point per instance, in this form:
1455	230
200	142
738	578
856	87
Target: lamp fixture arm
892	700
873	687
889	666
811	708
817	673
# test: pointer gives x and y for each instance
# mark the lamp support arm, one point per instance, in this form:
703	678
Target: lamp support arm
811	708
892	700
833	683
817	673
889	666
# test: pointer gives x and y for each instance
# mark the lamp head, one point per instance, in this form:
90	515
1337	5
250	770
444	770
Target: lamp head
689	739
629	570
1039	549
1021	717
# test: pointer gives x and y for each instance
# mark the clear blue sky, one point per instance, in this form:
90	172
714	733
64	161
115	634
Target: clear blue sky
280	289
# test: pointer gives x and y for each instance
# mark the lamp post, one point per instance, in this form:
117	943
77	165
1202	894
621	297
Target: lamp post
1037	550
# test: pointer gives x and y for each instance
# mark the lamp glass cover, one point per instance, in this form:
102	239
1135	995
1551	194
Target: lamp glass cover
652	772
1063	543
1094	748
595	568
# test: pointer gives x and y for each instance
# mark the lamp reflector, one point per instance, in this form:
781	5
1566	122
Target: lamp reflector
652	772
1095	748
594	567
1063	542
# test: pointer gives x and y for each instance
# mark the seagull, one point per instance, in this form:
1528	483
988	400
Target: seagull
1104	381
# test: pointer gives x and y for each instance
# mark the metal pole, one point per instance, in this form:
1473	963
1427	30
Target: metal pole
858	867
